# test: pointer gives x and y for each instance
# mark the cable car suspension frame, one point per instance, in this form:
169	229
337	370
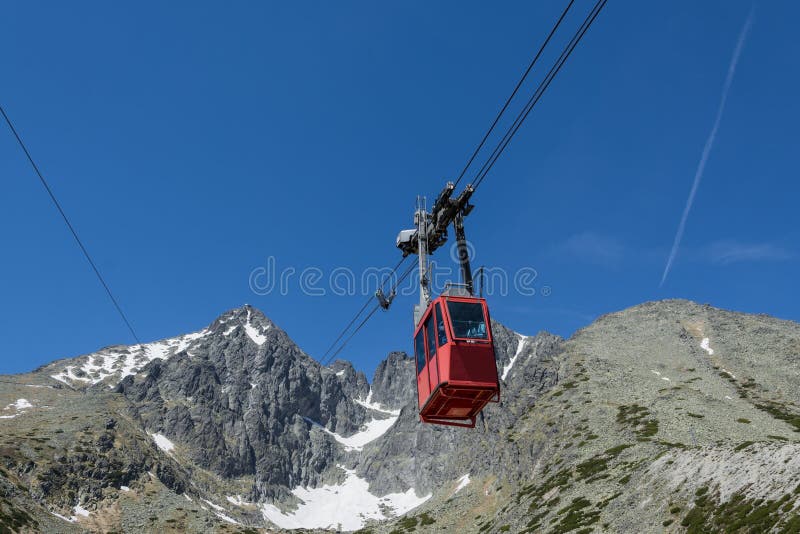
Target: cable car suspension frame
453	345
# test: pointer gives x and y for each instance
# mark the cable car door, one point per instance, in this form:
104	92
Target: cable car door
430	342
423	384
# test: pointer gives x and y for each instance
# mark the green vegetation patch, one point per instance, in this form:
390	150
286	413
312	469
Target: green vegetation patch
638	418
727	376
535	522
779	411
578	514
425	519
672	444
591	467
558	480
602	504
408	523
743	445
740	514
483	528
614	451
13	519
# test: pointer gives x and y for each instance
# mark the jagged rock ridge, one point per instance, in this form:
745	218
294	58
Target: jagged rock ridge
661	416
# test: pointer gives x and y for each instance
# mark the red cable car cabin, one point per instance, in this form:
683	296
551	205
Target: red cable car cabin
456	369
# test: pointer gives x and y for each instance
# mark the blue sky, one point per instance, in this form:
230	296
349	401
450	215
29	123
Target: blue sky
191	142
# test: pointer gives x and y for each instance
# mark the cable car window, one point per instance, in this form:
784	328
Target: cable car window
467	320
419	350
440	332
431	336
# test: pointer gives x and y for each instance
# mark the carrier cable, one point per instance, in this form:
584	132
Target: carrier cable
70	226
514	92
512	130
369	315
364	307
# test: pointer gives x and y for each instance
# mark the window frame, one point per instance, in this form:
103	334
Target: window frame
420	337
440	322
484	312
430	336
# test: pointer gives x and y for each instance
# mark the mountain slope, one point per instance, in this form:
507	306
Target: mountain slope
668	415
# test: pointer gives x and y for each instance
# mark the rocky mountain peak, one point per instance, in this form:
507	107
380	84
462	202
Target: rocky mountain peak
246	326
354	383
250	320
393	383
665	402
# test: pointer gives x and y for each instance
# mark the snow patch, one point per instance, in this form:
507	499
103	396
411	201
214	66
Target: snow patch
124	488
226	518
257	337
119	362
253	333
237	500
729	373
23	403
214	506
704	345
81	511
20	404
67	519
375	405
163	443
340	373
513	359
462	483
665	378
655	372
188	498
230	330
346	506
372	430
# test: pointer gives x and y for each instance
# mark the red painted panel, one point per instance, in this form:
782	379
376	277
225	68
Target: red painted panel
444	362
433	372
473	363
423	389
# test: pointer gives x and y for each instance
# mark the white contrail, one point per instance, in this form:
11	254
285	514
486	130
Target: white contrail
698	175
